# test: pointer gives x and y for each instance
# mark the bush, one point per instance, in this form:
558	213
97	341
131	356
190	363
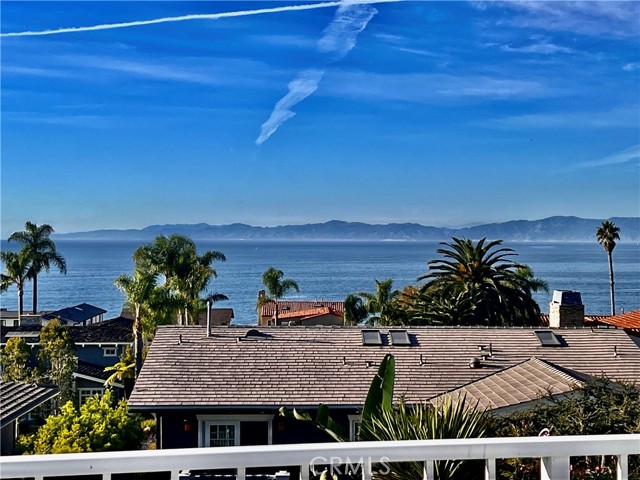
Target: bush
98	426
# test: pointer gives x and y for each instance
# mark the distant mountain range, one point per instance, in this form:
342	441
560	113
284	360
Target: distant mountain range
552	229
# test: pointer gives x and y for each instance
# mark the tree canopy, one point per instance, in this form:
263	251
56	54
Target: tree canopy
277	286
97	426
17	267
476	284
40	251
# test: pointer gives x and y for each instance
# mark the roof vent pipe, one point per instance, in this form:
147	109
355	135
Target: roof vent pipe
208	318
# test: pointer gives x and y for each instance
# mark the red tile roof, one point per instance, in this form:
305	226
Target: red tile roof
628	321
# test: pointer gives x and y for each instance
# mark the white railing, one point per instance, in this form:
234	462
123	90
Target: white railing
554	453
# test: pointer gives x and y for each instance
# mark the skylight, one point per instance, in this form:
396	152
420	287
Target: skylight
547	338
371	337
399	337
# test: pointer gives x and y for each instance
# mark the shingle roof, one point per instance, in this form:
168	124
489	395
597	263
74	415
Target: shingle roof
76	314
115	330
520	384
304	366
92	370
269	309
588	319
18	398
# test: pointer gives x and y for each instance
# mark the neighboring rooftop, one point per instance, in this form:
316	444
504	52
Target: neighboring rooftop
115	330
18	398
77	314
518	385
304	366
629	321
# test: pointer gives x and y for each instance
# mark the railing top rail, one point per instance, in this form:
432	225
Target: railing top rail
303	454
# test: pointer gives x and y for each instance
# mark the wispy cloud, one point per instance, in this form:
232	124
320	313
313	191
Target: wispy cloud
631	67
339	38
625	117
182	18
586	17
544	47
430	88
631	154
300	88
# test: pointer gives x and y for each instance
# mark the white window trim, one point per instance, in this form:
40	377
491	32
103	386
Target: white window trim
205	420
110	347
93	390
354	422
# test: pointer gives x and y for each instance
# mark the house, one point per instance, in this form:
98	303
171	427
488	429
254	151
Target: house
218	317
225	388
10	318
97	346
79	315
306	312
18	399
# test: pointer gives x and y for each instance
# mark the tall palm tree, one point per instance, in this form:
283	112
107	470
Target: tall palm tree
139	290
277	286
185	273
484	275
41	251
382	305
607	234
17	267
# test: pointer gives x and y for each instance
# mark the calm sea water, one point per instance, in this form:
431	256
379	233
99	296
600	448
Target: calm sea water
329	270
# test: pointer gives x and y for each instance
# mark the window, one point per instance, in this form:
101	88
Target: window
223	434
354	427
111	351
232	430
547	338
371	337
86	393
399	337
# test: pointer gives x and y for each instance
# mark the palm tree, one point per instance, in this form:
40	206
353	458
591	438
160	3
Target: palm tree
484	276
354	310
17	267
607	234
382	304
41	251
185	273
277	286
139	290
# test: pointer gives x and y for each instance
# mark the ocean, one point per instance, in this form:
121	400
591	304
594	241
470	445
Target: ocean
329	270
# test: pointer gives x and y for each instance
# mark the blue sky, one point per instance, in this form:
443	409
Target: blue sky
441	113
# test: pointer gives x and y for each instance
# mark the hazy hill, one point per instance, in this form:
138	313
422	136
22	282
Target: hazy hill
564	229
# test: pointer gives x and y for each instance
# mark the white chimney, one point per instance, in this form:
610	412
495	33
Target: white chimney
566	309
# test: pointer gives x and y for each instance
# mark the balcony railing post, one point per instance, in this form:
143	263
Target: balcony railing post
429	471
490	469
304	472
622	469
367	470
175	474
242	473
554	468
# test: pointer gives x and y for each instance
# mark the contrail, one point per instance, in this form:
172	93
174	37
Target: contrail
339	38
183	18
